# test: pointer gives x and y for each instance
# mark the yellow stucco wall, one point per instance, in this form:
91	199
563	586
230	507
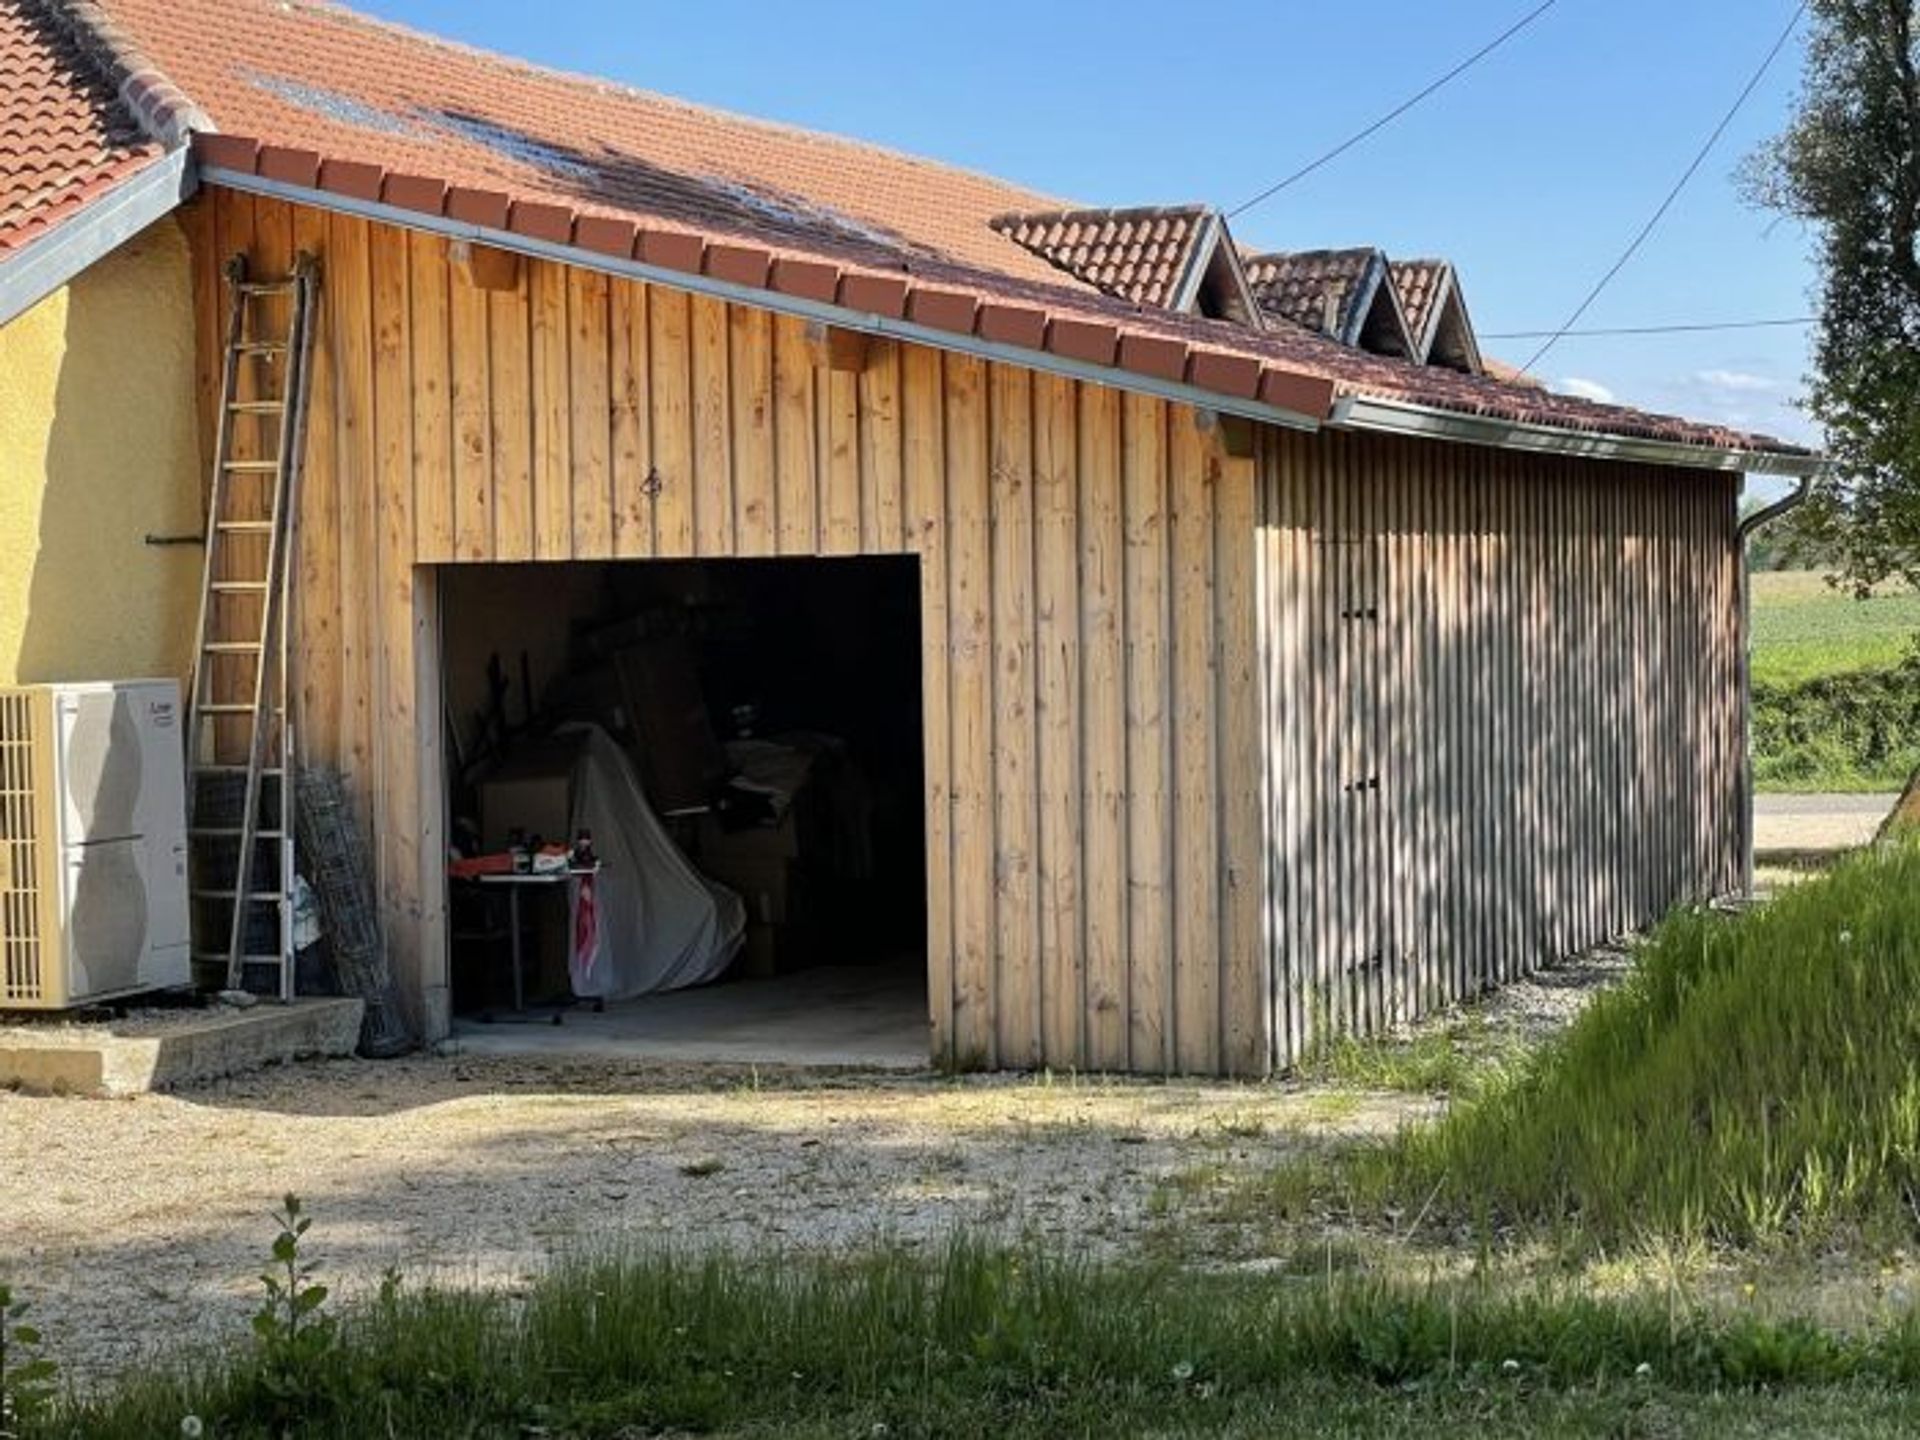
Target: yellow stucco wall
98	448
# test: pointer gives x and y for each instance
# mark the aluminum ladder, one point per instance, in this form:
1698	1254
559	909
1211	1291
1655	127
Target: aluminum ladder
240	755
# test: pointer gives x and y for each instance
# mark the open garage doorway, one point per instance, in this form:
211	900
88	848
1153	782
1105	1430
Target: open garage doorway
741	743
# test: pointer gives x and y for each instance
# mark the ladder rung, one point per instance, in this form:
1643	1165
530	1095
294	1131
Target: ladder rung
271	585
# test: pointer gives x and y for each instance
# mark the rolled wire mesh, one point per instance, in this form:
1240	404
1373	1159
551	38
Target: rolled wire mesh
340	872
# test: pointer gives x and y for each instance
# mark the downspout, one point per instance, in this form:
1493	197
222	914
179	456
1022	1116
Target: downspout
1765	515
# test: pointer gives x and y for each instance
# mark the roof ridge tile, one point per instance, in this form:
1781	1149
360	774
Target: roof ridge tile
163	111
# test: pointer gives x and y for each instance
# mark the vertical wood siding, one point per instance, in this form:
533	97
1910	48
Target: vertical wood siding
1222	754
1500	702
1091	692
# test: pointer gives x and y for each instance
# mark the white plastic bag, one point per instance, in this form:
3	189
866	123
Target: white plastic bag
306	914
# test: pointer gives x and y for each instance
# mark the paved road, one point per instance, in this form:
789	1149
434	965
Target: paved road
1874	805
1811	823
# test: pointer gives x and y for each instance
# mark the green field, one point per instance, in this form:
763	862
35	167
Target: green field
1836	685
1804	628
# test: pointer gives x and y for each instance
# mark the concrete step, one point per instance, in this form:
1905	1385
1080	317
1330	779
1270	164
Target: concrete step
64	1056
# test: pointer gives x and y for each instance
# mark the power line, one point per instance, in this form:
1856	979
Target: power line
1688	329
1753	83
1394	114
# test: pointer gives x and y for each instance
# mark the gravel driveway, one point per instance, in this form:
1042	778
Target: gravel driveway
139	1225
131	1223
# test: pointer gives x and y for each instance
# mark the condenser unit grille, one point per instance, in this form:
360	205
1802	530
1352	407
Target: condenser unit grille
20	879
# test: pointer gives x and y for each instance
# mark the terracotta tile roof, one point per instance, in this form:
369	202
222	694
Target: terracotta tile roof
1144	255
68	137
1510	374
322	78
1436	312
1301	286
312	95
1420	283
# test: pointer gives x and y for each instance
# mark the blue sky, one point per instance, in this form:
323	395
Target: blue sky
1530	172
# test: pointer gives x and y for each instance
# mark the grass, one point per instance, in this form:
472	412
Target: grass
1754	1080
980	1341
1455	1060
1804	629
1836	685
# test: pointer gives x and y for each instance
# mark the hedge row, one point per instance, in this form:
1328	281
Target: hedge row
1854	731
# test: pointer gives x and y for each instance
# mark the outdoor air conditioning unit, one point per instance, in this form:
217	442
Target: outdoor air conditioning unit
93	843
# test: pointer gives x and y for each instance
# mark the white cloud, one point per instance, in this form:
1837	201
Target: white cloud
1742	398
1739	380
1587	389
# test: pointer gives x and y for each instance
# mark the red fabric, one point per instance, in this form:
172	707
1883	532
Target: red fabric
586	925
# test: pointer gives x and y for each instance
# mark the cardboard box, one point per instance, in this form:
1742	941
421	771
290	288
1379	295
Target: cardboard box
759	951
772	950
755	842
765	885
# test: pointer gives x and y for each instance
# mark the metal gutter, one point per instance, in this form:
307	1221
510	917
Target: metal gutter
45	264
865	323
1397	417
1403	417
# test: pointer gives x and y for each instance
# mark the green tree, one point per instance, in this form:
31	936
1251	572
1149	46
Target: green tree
1849	166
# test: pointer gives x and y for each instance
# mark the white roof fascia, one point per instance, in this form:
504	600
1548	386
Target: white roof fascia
1405	417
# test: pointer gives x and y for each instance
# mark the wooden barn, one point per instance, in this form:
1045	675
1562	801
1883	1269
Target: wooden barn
1270	669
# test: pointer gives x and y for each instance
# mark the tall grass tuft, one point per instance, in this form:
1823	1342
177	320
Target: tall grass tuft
1757	1078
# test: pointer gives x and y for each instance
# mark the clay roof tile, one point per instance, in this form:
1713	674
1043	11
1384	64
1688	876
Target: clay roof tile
69	136
973	252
